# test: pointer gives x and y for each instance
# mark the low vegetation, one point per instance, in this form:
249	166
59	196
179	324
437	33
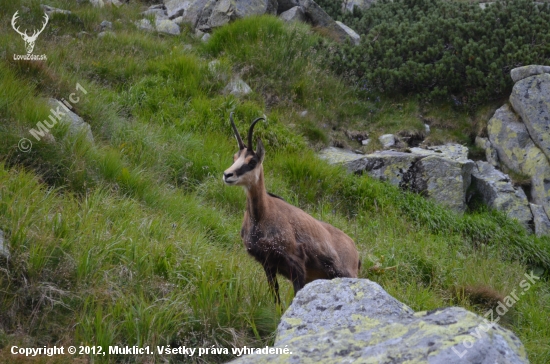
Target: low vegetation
443	50
134	240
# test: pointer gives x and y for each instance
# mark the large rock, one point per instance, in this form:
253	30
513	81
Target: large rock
355	38
76	124
217	13
387	140
354	320
520	73
540	220
452	151
335	155
193	12
319	18
432	173
175	8
167	26
517	152
386	166
496	191
293	14
442	179
530	98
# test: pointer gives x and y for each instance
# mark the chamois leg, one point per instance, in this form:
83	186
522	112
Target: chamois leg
271	273
297	274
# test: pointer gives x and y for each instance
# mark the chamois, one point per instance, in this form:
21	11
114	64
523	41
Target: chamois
282	237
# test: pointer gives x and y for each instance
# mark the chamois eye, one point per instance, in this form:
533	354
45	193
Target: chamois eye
252	163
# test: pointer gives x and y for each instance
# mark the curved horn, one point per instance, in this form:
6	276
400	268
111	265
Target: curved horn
237	135
251	130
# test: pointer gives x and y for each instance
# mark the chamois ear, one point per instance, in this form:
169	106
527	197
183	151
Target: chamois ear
260	151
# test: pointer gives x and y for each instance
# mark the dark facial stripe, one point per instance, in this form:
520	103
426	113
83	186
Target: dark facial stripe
245	168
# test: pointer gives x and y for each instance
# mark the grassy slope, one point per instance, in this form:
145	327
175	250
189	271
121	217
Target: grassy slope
134	240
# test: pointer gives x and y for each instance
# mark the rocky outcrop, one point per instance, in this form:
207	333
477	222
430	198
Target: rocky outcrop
520	73
76	124
530	98
206	15
355	320
217	13
517	152
497	191
442	173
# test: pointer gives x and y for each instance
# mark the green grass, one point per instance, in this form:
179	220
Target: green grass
134	239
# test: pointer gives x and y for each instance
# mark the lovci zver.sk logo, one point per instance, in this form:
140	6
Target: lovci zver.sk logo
29	40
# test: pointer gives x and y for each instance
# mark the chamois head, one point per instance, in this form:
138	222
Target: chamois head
247	163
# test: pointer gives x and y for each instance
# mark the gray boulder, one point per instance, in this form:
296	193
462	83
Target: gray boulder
335	155
145	24
496	191
193	12
443	179
387	140
217	13
237	87
517	152
520	73
293	14
348	320
540	220
158	11
530	98
432	174
167	26
319	18
105	25
452	151
175	8
355	38
76	124
386	166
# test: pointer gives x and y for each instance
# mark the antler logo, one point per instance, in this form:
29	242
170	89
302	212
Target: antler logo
29	40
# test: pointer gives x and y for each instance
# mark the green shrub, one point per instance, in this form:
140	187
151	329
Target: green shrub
443	49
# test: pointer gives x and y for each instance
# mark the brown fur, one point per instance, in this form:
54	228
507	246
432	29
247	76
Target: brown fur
285	239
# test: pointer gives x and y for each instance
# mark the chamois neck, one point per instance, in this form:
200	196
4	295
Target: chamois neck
257	198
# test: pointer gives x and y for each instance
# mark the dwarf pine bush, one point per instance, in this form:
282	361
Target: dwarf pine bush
443	49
